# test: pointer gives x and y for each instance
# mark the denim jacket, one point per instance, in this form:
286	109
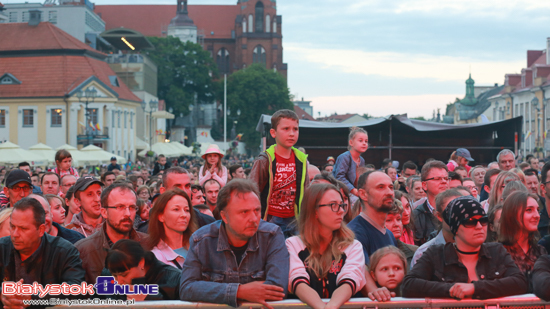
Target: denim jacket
211	274
345	169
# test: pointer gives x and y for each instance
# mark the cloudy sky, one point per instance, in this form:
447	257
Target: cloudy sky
400	56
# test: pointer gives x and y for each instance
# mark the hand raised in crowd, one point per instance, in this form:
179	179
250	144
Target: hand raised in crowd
15	301
462	290
258	292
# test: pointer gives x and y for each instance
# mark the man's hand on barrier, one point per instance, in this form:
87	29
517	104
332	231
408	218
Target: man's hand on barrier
15	301
258	292
462	290
381	294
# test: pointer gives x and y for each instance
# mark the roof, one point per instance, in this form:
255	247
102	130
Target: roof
44	36
466	112
302	114
336	117
152	20
37	73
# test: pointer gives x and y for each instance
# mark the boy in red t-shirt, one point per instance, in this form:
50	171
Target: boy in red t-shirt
281	173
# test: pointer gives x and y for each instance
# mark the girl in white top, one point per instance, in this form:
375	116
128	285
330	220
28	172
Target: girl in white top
325	260
171	223
213	168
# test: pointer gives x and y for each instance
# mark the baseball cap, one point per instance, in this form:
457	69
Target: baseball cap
16	176
84	182
330	159
463	152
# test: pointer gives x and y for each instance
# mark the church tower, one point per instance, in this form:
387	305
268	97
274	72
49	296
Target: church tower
182	26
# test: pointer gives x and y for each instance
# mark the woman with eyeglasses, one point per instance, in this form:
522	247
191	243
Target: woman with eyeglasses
518	231
467	268
171	223
325	260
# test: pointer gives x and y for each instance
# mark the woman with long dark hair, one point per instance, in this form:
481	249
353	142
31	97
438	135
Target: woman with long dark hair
171	223
518	230
325	260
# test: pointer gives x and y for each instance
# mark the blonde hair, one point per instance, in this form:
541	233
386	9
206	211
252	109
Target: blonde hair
495	194
319	263
379	254
354	131
5	214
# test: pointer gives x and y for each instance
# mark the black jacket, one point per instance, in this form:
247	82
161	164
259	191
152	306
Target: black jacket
439	269
424	223
58	262
158	168
541	277
69	235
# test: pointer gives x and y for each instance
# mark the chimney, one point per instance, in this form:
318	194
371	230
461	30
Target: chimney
35	17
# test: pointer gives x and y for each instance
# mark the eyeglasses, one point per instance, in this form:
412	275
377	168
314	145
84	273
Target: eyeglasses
470	223
336	206
18	189
123	208
446	179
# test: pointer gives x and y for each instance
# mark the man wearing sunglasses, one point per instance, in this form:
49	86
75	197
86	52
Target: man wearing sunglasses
18	186
467	268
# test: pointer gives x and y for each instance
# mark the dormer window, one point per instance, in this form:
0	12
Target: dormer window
8	79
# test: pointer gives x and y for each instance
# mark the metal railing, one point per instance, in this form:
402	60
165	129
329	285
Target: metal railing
527	301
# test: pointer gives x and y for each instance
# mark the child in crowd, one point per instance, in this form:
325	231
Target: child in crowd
281	173
213	168
345	169
388	268
64	161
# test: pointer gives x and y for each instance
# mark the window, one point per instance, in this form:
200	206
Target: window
93	116
125	120
25	17
274	24
6	81
222	60
250	23
244	24
259	17
13	17
131	121
28	118
52	17
259	55
2	118
113	119
56	117
267	23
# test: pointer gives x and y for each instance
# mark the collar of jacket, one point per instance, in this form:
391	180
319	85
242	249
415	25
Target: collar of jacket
223	240
105	242
299	155
451	256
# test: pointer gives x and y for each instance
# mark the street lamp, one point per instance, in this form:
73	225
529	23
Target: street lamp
234	129
88	95
153	105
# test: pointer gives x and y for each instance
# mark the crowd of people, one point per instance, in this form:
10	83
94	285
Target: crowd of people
232	230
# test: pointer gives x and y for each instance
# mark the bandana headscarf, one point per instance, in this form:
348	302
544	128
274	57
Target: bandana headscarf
462	208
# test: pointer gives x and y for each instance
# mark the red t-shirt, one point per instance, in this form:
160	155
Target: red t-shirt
283	191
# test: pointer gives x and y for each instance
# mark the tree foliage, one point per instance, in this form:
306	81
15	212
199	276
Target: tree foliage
184	69
255	91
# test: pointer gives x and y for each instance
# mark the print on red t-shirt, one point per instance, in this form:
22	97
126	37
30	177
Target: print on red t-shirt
283	192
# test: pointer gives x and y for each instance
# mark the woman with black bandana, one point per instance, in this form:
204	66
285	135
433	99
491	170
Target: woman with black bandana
467	268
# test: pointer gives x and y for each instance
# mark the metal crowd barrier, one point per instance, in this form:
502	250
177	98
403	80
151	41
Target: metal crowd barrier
527	301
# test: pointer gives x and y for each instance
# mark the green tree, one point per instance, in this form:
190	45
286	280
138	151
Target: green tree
184	69
255	91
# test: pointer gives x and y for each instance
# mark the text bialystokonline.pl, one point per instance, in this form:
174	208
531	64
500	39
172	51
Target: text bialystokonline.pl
70	302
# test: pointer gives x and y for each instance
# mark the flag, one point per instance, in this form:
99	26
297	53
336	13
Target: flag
545	134
98	127
92	126
527	135
239	136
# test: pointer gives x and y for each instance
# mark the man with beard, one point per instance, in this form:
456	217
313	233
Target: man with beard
118	208
376	194
435	179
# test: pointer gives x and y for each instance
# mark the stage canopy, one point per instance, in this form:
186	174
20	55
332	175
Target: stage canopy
400	138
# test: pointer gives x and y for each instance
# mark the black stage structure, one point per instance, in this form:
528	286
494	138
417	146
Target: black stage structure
399	138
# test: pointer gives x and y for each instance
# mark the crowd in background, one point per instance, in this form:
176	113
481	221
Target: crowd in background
232	229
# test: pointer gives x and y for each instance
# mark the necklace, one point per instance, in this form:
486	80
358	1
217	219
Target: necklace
464	252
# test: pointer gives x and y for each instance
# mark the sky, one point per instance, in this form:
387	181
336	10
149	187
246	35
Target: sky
384	57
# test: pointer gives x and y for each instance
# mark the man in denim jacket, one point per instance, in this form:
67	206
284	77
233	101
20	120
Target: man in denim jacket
239	258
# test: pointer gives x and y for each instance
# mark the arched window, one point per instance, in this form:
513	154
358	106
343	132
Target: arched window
244	24
259	17
250	23
274	24
222	60
259	55
267	23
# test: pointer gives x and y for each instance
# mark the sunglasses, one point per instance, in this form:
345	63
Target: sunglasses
470	223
